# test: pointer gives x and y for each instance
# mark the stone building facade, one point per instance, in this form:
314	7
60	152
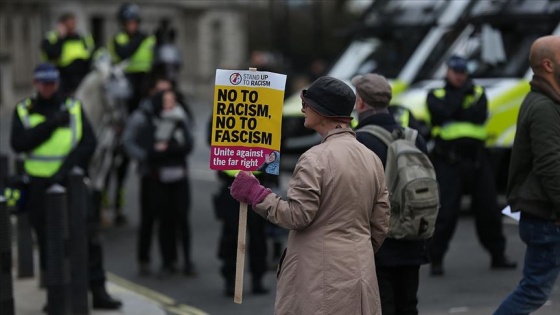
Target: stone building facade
210	34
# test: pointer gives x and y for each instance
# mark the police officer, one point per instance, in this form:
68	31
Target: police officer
70	51
138	49
458	112
226	210
55	136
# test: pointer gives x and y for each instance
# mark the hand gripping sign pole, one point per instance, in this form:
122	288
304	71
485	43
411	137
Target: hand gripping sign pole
241	246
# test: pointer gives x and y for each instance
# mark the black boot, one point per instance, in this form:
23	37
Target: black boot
102	300
502	262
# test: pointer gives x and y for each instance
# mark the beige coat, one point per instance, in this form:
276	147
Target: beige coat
338	214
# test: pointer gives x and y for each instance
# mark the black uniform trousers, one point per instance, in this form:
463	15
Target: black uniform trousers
169	205
398	286
37	214
474	174
227	210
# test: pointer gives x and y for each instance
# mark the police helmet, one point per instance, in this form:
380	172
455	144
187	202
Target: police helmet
128	12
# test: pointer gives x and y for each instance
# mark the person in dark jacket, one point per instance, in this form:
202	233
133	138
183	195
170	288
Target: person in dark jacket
158	136
226	210
397	262
70	51
458	113
45	127
534	180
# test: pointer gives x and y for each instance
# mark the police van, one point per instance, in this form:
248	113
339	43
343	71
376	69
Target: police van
393	38
496	38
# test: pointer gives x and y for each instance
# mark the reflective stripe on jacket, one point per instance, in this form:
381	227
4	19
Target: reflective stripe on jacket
46	159
141	60
72	49
460	129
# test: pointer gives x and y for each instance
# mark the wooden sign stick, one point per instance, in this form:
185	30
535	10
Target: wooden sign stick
241	246
240	263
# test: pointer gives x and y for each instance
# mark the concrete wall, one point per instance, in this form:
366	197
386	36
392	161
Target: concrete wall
20	34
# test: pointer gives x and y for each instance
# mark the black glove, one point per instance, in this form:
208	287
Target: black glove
61	119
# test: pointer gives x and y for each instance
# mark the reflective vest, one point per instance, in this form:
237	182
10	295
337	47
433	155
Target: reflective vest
141	60
46	159
72	49
461	129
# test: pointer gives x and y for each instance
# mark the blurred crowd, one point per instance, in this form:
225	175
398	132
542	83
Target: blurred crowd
99	108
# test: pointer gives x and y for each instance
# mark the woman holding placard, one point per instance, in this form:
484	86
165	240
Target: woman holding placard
337	212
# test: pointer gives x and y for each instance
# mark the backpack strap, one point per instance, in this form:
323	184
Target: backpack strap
379	132
410	134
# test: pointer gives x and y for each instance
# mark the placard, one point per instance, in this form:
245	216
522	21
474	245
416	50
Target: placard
247	121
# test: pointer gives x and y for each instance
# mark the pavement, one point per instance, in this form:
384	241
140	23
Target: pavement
29	298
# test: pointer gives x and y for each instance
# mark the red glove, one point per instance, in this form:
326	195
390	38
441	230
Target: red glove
247	189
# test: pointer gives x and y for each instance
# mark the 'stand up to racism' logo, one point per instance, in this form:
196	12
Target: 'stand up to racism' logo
235	78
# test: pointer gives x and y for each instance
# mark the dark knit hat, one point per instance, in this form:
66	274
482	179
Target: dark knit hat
373	89
330	97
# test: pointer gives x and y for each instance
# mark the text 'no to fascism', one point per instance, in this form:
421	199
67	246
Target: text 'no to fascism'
230	113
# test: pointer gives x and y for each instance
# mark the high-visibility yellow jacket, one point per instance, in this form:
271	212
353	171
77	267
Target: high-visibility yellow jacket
46	159
141	59
73	48
468	123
